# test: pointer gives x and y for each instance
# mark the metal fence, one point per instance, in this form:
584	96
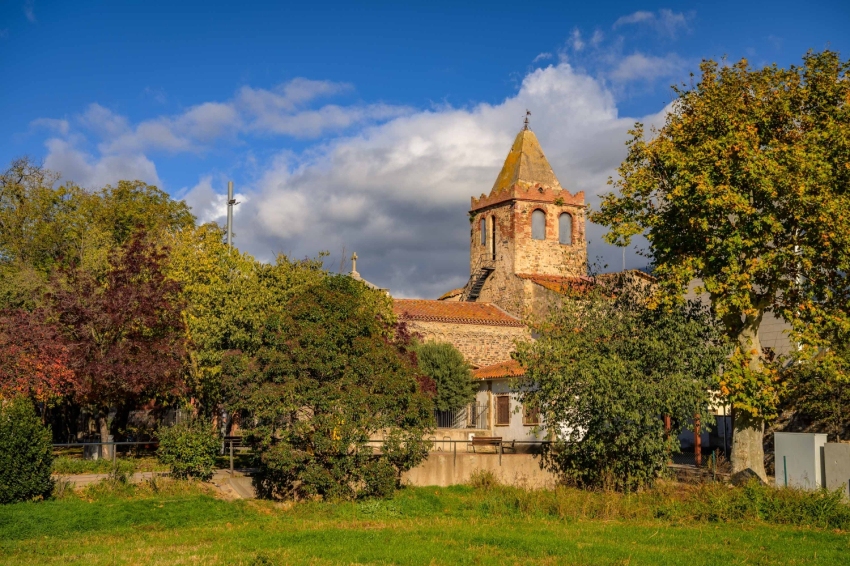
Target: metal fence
471	416
95	450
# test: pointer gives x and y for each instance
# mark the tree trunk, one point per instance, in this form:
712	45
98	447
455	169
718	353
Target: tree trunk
748	430
103	428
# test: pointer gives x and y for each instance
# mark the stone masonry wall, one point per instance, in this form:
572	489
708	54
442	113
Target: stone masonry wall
502	287
518	253
549	256
482	345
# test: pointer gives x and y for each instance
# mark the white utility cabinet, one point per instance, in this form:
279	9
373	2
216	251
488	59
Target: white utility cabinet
799	459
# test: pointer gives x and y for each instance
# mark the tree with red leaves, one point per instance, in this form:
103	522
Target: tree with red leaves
126	333
35	361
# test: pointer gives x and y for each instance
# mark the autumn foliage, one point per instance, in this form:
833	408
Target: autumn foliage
35	360
125	335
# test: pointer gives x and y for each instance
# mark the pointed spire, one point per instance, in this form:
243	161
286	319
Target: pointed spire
526	165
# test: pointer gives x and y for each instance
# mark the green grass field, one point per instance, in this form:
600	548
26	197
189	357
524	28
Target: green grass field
178	523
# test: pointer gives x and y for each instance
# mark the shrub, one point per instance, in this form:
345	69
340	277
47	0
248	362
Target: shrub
190	449
26	455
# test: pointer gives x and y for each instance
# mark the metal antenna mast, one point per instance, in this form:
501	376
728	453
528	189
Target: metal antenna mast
230	202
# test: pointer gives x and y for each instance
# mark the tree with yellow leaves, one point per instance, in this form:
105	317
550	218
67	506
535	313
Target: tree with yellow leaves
746	188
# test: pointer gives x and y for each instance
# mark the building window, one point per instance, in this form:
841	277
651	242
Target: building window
530	416
482	227
538	225
493	238
565	229
503	410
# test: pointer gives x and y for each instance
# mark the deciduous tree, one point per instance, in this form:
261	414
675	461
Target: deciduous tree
126	336
603	371
227	296
746	188
331	374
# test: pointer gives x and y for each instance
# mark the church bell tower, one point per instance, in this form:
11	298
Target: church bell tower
527	235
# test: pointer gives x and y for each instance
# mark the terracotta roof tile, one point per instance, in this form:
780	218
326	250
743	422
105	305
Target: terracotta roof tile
451	311
510	368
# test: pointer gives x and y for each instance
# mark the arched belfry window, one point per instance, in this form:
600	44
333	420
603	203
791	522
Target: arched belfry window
565	229
482	227
538	225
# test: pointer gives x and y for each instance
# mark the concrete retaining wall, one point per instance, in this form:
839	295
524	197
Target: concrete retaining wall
447	469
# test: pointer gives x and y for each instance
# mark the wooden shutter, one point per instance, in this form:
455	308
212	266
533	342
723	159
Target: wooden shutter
503	410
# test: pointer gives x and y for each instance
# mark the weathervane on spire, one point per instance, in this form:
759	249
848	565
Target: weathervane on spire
527	114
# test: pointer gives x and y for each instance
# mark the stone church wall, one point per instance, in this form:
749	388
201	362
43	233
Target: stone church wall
482	345
518	253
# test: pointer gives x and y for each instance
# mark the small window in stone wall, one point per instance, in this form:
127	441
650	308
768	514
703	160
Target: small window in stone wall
503	410
565	229
530	416
482	227
538	225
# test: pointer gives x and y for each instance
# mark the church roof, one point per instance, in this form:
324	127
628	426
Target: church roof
525	164
453	312
509	368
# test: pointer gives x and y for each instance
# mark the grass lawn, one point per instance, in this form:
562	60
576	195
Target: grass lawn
180	524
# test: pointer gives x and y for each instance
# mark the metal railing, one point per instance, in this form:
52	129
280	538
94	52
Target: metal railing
99	446
471	416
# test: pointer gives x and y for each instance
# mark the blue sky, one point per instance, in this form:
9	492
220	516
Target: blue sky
363	126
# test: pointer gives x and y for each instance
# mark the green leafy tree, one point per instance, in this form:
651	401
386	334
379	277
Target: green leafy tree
819	389
745	189
26	456
227	296
451	374
604	370
332	373
45	226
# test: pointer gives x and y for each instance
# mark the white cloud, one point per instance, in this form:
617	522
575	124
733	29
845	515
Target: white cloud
542	57
640	67
665	22
157	94
61	127
596	38
398	192
575	40
196	128
395	188
29	10
92	172
638	17
103	122
281	110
